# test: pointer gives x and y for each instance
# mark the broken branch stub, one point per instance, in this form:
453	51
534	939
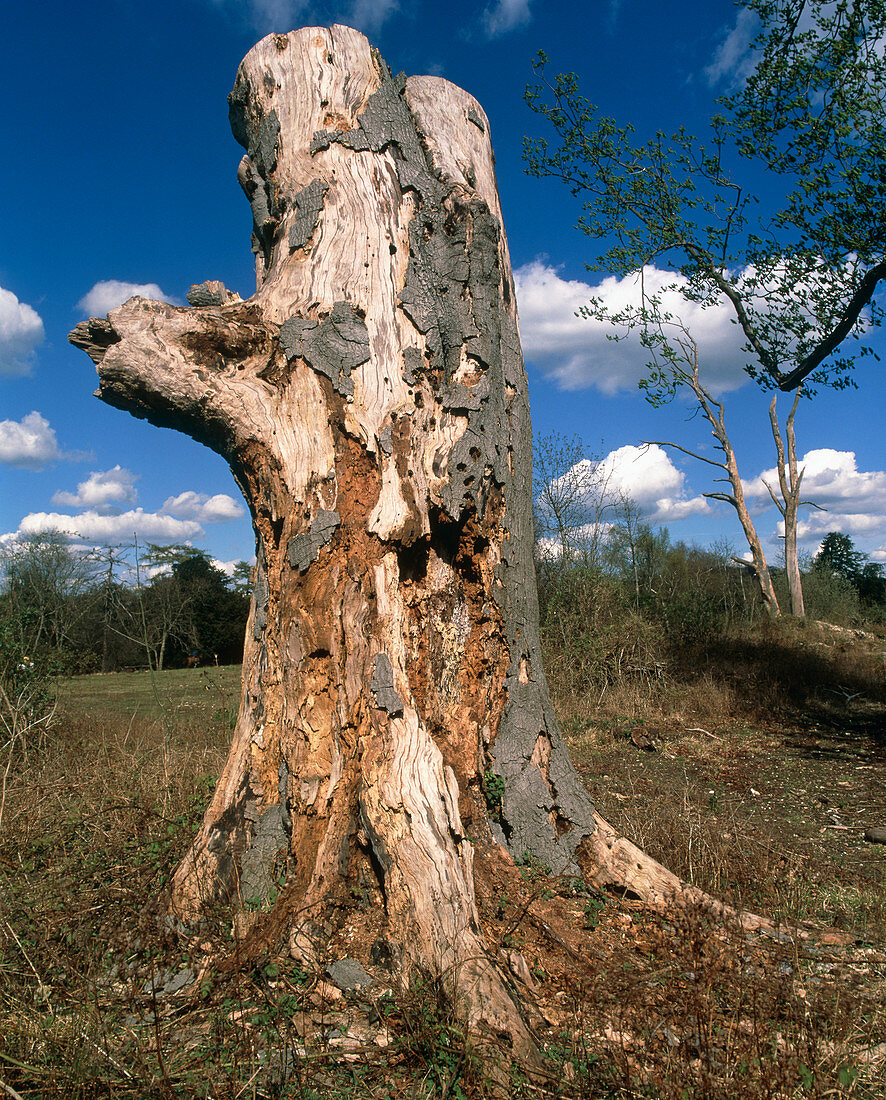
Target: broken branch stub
371	400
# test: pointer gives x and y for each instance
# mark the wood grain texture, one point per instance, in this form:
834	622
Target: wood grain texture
371	400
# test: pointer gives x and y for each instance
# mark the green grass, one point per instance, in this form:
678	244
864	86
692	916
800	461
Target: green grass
143	695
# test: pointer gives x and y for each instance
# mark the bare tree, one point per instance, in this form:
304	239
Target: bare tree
800	265
111	562
680	353
571	499
670	343
787	500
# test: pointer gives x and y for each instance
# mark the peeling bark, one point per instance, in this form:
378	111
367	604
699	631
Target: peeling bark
371	401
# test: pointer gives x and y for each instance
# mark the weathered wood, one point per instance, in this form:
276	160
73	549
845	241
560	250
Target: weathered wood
371	400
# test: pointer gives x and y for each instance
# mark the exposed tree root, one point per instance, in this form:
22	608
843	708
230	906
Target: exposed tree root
613	863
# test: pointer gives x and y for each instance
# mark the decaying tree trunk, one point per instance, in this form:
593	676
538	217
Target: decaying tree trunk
371	400
372	403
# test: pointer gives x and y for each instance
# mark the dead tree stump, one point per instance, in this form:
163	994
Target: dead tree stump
371	400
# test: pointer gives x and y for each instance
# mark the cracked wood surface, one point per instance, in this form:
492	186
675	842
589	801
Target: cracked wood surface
370	398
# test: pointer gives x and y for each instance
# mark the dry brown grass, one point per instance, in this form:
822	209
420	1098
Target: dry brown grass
95	823
673	1008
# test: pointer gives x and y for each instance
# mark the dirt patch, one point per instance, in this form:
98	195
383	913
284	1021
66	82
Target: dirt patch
759	813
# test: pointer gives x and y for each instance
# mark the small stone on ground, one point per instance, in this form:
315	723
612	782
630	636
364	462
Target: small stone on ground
349	975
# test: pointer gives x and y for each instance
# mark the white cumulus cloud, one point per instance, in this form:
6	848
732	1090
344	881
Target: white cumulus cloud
29	442
671	509
95	526
855	500
817	524
102	490
577	352
203	508
227	567
21	331
734	60
646	476
505	15
110	293
832	480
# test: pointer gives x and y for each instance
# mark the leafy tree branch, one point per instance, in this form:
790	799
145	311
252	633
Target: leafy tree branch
802	272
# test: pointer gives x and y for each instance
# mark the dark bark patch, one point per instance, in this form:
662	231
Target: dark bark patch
257	864
382	686
334	346
262	146
386	120
308	204
254	189
259	135
461	398
210	293
541	789
305	547
413	362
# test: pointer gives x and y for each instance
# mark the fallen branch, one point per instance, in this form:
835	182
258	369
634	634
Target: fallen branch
707	733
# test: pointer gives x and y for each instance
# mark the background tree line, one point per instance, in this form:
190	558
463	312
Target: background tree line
64	610
68	610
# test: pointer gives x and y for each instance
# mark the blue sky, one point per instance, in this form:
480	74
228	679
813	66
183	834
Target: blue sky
121	169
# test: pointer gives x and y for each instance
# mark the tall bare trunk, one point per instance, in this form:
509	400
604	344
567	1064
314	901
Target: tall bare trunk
789	479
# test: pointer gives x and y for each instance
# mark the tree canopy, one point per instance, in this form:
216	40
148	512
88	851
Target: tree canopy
800	272
838	556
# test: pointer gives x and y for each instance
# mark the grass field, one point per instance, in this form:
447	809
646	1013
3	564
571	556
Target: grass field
173	693
758	797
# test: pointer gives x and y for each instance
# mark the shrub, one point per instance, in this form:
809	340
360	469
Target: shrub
830	597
